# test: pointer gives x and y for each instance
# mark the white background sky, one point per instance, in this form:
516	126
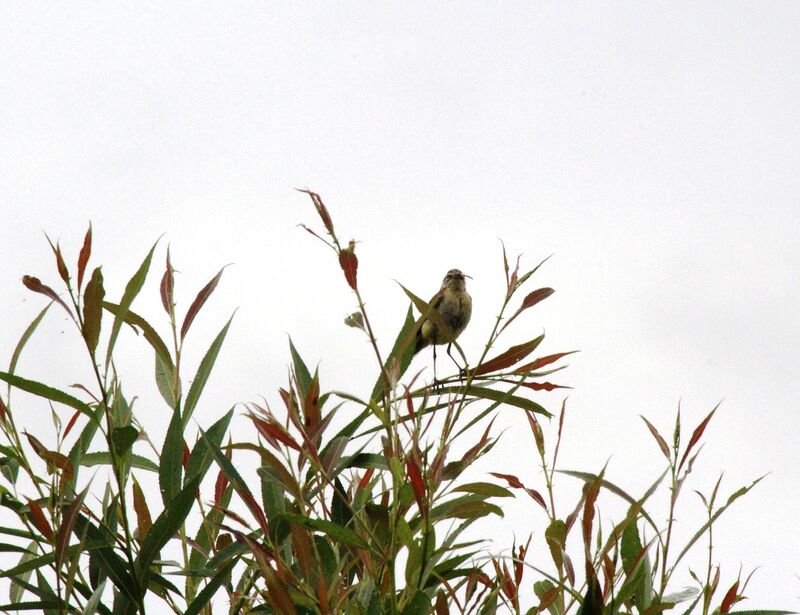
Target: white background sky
652	147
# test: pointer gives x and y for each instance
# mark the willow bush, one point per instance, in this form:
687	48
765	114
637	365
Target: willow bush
367	517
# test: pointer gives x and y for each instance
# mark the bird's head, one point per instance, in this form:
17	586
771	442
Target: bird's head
455	280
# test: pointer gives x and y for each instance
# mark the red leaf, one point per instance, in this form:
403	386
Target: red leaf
542	361
83	257
696	435
365	479
513	481
219	487
509	357
167	286
662	444
38	519
321	210
198	302
3	410
531	299
273	431
186	454
35	284
417	484
543	386
592	492
349	264
60	264
70	423
730	598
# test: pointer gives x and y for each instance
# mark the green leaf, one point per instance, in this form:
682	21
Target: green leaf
122	438
485	489
165	381
131	290
94	602
201	457
25	337
203	372
300	370
171	460
501	397
134	320
166	526
401	354
99	544
92	309
207	593
104	458
420	604
334	530
42	390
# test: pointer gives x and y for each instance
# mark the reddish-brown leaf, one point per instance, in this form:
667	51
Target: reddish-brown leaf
662	444
531	299
143	518
538	436
543	386
592	492
349	264
542	361
68	518
273	432
53	459
509	357
417	484
198	302
168	286
321	210
38	519
70	423
60	264
186	454
696	435
93	309
366	478
83	257
35	284
3	410
219	487
730	598
513	481
441	607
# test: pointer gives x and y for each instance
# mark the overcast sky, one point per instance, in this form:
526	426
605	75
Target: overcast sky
652	147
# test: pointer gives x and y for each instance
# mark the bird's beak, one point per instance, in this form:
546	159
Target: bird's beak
467	276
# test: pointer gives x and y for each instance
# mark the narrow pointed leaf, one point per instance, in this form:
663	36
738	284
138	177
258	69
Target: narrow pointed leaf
168	286
149	333
68	519
93	309
542	361
12	366
170	466
696	435
530	300
83	257
203	373
131	291
401	354
337	532
508	358
42	390
198	302
143	519
35	284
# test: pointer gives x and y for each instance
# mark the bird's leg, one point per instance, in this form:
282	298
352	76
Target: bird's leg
436	382
461	370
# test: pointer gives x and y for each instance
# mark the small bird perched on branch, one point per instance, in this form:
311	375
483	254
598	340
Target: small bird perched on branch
454	305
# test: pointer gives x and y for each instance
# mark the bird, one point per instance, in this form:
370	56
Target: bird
454	305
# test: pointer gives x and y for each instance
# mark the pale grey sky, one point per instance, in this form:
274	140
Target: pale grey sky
652	147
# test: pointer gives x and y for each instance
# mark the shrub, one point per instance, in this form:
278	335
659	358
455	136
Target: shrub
364	516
